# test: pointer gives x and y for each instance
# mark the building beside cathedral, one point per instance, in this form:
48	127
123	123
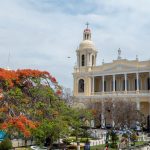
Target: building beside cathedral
121	78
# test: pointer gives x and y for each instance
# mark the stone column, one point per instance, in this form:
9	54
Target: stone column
103	79
137	82
88	59
74	87
95	58
125	81
114	83
91	87
78	59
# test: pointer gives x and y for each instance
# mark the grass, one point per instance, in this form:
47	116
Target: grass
23	148
82	140
139	143
99	147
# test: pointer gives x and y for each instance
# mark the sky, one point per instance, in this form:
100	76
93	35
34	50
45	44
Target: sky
42	34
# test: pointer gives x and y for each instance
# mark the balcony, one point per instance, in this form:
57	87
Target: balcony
141	93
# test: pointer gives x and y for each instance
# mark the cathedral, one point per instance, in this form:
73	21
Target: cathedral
121	78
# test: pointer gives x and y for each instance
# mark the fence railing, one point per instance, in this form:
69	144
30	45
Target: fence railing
21	143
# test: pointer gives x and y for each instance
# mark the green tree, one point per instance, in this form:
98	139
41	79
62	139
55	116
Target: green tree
33	96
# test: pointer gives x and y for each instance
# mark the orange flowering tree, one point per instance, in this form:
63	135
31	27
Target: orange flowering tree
24	97
31	105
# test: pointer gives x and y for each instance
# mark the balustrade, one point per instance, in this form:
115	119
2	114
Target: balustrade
121	92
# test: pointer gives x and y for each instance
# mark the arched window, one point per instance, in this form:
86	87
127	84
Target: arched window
92	60
83	60
81	86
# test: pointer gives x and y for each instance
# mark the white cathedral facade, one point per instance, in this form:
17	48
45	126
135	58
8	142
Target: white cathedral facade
121	78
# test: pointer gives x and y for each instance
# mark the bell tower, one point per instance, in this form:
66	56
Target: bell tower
86	53
86	60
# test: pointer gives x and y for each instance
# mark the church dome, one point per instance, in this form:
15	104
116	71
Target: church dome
87	44
87	30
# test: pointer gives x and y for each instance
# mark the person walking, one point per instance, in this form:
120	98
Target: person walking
106	148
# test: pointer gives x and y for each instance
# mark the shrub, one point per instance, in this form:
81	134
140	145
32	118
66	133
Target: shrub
72	147
84	140
67	141
113	145
114	137
125	135
134	137
6	144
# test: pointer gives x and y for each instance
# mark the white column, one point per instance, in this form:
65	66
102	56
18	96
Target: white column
125	78
90	64
103	79
114	83
78	59
137	81
95	58
93	86
88	59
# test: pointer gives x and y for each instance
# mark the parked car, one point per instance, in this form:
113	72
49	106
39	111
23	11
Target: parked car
108	126
38	148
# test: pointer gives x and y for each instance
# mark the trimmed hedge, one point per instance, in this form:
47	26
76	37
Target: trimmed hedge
6	144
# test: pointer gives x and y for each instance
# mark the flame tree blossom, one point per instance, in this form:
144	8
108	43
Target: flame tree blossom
31	105
24	97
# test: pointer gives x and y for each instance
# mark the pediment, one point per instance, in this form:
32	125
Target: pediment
119	68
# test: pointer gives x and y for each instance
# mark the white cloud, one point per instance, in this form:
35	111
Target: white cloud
41	34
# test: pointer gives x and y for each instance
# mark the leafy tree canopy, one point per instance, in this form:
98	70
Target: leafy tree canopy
30	105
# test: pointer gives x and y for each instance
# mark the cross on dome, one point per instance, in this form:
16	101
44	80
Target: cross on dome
87	25
87	28
87	33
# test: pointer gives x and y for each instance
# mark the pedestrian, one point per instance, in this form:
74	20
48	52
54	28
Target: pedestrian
106	148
